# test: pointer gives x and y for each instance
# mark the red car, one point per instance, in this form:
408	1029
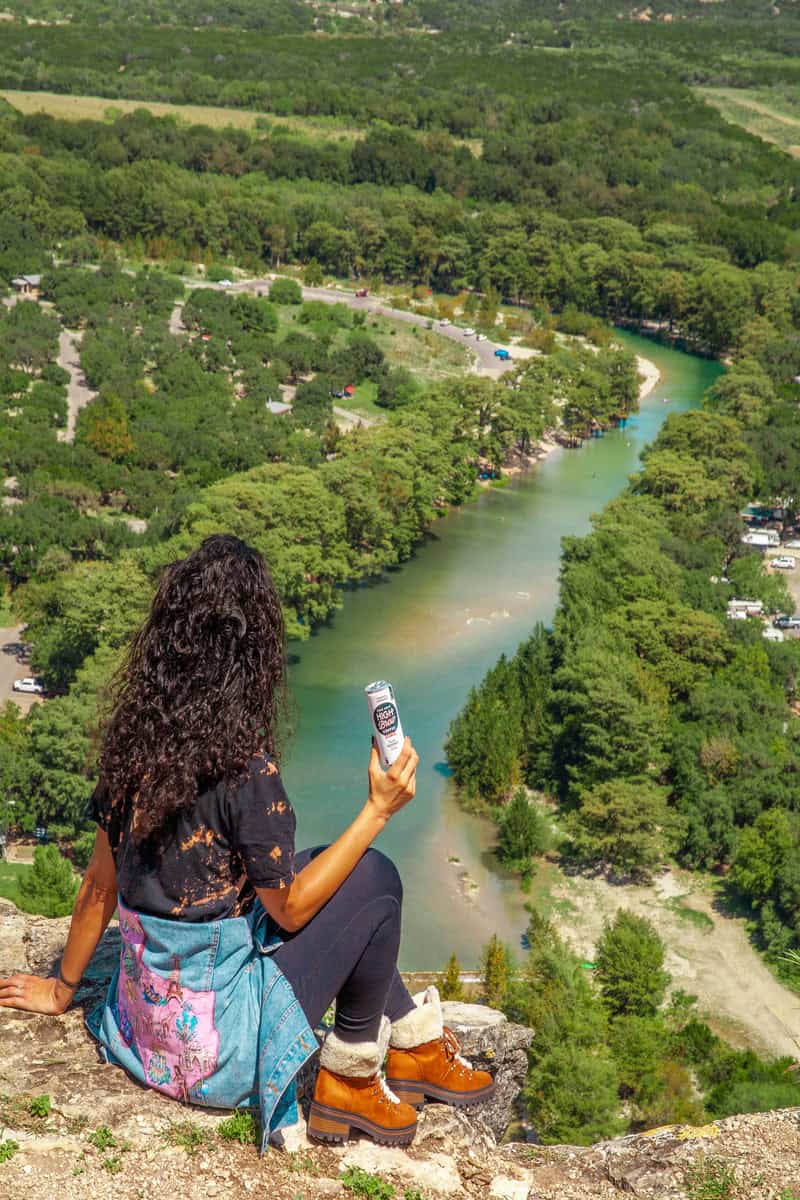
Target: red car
362	292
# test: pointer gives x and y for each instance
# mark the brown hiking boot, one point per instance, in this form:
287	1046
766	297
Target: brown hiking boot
436	1070
424	1059
352	1094
342	1103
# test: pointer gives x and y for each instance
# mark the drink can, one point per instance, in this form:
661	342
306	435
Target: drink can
385	721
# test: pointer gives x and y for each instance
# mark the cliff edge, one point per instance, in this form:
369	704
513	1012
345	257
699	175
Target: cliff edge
149	1146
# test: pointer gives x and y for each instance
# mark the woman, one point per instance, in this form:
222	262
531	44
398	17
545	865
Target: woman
233	945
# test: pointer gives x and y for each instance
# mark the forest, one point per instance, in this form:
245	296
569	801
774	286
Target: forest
544	170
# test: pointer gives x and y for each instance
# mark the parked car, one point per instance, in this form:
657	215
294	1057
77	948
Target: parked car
468	332
785	562
226	283
444	321
786	622
793	545
29	684
362	292
480	337
502	354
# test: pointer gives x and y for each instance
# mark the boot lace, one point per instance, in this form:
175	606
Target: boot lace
451	1049
384	1093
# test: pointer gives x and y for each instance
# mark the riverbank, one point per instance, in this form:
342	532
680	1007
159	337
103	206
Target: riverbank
649	374
649	377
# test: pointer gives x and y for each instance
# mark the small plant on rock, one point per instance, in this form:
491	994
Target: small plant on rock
8	1148
39	1106
241	1127
362	1183
711	1179
186	1136
102	1138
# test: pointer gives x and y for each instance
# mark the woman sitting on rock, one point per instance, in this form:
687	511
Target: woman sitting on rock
233	946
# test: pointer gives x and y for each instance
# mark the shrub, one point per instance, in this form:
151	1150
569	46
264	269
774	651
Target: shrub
630	966
50	887
216	273
286	291
524	830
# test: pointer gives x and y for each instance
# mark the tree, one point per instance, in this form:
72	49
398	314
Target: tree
312	274
572	1095
286	291
50	887
496	968
625	823
105	428
450	985
629	963
524	830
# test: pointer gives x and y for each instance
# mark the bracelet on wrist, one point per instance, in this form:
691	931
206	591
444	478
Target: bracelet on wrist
66	982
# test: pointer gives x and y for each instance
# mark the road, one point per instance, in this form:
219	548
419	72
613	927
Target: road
14	665
484	360
78	392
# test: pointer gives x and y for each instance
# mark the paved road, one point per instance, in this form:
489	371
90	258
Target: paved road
14	665
484	361
78	391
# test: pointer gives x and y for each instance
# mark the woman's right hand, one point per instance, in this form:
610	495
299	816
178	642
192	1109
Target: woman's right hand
391	790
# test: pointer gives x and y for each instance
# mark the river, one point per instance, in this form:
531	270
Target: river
472	591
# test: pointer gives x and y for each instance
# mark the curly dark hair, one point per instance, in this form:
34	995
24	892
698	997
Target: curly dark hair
203	686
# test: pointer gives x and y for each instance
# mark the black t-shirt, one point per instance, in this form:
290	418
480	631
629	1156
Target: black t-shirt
200	868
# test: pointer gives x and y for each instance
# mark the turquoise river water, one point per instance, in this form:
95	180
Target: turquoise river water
473	590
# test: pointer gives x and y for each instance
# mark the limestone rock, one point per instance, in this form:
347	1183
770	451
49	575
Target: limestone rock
492	1043
454	1154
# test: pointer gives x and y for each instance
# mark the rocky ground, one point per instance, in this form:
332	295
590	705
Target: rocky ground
150	1147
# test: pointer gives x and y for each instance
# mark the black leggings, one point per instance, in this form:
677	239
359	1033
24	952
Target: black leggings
348	951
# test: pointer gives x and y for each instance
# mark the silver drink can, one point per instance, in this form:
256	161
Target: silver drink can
385	720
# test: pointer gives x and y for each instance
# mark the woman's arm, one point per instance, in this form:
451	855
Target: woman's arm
293	907
93	909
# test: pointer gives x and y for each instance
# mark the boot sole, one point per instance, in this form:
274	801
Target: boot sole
333	1125
415	1092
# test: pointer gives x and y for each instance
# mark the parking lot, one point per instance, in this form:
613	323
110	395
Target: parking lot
14	665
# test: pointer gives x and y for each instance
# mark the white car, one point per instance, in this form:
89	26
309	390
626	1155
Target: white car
226	283
795	545
480	337
29	684
468	332
785	562
444	321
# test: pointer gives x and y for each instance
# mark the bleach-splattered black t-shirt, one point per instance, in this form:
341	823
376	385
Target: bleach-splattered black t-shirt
205	866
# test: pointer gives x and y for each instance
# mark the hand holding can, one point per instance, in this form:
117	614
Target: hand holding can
387	731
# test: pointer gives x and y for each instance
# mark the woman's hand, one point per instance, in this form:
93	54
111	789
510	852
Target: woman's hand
32	993
391	790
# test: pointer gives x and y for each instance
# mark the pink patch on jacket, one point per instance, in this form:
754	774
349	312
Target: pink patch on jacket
170	1026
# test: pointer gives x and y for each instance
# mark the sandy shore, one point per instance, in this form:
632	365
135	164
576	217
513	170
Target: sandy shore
649	376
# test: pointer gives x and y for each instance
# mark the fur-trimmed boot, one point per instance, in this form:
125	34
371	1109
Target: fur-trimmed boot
424	1060
351	1093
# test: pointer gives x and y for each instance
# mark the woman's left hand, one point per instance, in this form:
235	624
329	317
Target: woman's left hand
32	993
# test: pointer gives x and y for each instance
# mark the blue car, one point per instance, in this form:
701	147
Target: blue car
502	354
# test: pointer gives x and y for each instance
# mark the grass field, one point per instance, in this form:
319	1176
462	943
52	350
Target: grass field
10	874
100	108
428	355
764	115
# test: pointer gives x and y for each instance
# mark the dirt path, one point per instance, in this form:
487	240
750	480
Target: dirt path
78	391
709	955
14	665
176	325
